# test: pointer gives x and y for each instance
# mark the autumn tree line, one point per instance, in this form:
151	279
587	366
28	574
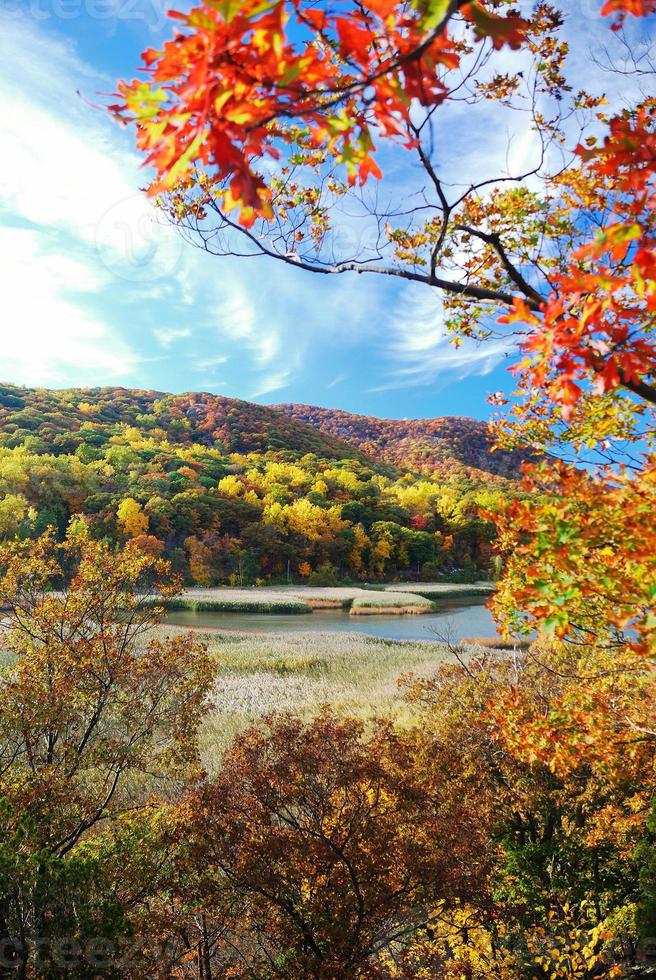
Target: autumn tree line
149	473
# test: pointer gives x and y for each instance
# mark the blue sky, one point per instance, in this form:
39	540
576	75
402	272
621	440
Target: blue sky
95	293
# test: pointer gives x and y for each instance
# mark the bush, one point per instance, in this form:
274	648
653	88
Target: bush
326	574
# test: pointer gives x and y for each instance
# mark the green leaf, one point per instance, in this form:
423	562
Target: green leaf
434	12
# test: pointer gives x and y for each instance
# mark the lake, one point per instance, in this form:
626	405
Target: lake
455	619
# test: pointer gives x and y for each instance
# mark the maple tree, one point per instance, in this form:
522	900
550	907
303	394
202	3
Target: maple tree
581	558
223	91
307	85
256	149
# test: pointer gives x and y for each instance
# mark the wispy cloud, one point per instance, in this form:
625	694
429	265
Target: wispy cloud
97	290
166	336
143	305
422	351
272	382
201	363
59	176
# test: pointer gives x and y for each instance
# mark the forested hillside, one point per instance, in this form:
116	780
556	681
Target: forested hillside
441	445
60	421
235	492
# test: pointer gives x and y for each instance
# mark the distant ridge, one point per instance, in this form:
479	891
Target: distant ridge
56	417
439	445
59	421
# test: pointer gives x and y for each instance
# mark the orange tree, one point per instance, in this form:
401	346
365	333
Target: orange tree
97	716
566	814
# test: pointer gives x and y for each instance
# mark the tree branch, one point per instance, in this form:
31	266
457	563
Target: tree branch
481	293
515	275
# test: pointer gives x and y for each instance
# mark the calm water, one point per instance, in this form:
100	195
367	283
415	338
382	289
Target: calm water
456	619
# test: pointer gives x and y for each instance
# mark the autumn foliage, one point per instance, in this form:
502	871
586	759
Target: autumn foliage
560	261
97	717
231	492
599	582
500	831
319	848
229	89
504	827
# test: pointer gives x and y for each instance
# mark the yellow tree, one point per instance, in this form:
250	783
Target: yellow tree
131	518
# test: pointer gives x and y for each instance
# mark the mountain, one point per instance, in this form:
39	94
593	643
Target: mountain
453	444
232	492
59	421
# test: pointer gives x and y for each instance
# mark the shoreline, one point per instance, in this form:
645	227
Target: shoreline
391	610
393	598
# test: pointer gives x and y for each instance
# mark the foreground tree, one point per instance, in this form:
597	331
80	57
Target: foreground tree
97	715
319	852
504	836
568	776
243	84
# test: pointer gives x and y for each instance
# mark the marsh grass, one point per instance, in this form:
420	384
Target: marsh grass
230	604
392	602
301	672
441	590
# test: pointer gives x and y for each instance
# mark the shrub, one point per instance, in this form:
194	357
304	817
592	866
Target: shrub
326	575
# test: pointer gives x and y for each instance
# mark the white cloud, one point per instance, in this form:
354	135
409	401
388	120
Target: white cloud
210	362
67	166
59	167
96	263
166	336
60	174
107	269
239	319
272	382
421	348
48	339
